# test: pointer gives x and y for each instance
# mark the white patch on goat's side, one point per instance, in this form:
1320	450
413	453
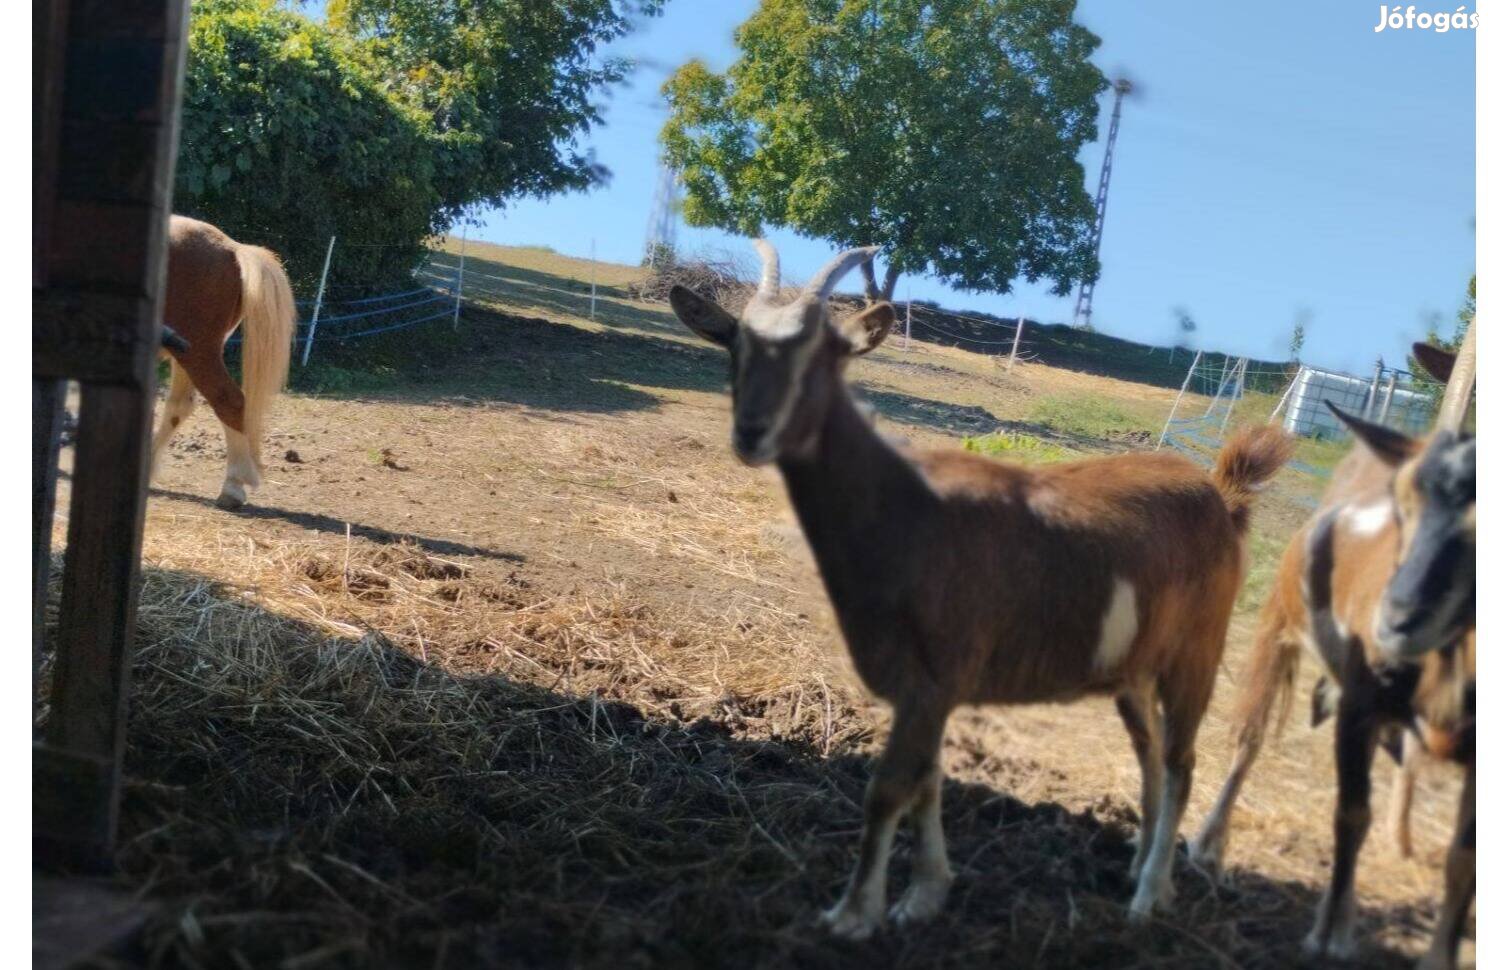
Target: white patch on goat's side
1118	627
1366	520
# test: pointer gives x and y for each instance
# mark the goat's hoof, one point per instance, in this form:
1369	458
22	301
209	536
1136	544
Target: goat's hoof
232	498
1339	947
920	902
849	922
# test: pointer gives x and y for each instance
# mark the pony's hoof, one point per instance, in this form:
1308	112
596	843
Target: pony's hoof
230	500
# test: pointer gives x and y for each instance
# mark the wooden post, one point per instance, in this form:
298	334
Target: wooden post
908	316
99	285
1017	337
1460	387
460	280
1187	377
1239	389
593	273
325	271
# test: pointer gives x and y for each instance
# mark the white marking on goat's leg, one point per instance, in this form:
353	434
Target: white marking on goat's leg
1138	709
178	406
1155	885
930	880
242	473
1403	790
1118	627
909	759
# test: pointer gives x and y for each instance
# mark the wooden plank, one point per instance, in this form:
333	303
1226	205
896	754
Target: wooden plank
99	246
110	162
46	434
90	336
72	807
125	18
48	47
100	581
115	79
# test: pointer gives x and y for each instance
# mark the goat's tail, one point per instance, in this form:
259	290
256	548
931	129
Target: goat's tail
1250	456
1271	672
268	335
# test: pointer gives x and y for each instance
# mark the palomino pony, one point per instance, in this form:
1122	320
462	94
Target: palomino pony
213	283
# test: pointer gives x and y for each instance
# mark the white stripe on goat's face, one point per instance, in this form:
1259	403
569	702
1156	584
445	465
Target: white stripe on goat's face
1118	627
773	352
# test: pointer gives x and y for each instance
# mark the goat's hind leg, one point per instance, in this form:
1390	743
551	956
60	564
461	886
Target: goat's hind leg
1138	709
1403	790
930	880
1184	703
907	765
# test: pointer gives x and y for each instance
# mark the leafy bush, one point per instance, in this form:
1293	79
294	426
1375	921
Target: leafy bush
288	136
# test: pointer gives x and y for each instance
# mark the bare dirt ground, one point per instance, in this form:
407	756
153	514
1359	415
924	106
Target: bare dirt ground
643	745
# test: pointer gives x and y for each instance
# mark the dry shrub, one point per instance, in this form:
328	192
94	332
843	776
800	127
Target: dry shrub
717	276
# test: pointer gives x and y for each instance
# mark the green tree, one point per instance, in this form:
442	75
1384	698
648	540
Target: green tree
946	132
1299	335
508	85
288	136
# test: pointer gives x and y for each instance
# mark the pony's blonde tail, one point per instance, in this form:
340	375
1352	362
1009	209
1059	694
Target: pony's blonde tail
268	334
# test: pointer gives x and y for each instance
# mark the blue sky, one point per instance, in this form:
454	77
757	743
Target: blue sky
1282	156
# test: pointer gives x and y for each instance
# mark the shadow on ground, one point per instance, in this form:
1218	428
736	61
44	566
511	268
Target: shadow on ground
330	525
488	279
498	357
297	799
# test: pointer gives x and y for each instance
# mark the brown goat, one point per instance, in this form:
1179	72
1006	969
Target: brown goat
961	580
1380	586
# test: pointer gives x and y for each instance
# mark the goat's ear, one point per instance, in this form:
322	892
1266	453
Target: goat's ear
1438	362
704	317
867	329
1389	446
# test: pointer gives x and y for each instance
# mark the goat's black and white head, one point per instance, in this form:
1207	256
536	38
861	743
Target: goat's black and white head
1429	603
785	354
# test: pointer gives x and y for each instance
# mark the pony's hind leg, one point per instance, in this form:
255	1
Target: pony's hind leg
226	400
179	403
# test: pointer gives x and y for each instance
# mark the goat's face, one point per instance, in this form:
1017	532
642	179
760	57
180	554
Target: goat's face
784	355
1428	603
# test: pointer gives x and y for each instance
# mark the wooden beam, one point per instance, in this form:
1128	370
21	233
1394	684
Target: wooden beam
88	336
46	433
1460	387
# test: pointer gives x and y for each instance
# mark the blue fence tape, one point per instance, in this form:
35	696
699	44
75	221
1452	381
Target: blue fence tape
379	311
381	297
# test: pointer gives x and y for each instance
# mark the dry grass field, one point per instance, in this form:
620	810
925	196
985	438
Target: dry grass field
510	663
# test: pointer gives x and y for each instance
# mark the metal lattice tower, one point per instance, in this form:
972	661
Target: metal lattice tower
1087	287
661	226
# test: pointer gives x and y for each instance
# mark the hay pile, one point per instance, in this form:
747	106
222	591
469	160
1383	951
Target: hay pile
365	755
715	276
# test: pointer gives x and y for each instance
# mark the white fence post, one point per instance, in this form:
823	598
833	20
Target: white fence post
1239	389
908	316
319	297
593	274
1384	411
1187	377
1287	393
459	280
1018	336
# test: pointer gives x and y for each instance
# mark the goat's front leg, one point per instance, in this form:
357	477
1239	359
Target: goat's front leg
1462	859
1354	743
907	765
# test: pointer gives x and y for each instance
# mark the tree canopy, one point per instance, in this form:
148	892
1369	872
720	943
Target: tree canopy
387	122
946	132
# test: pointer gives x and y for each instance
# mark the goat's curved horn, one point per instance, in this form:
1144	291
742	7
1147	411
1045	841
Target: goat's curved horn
830	275
769	284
